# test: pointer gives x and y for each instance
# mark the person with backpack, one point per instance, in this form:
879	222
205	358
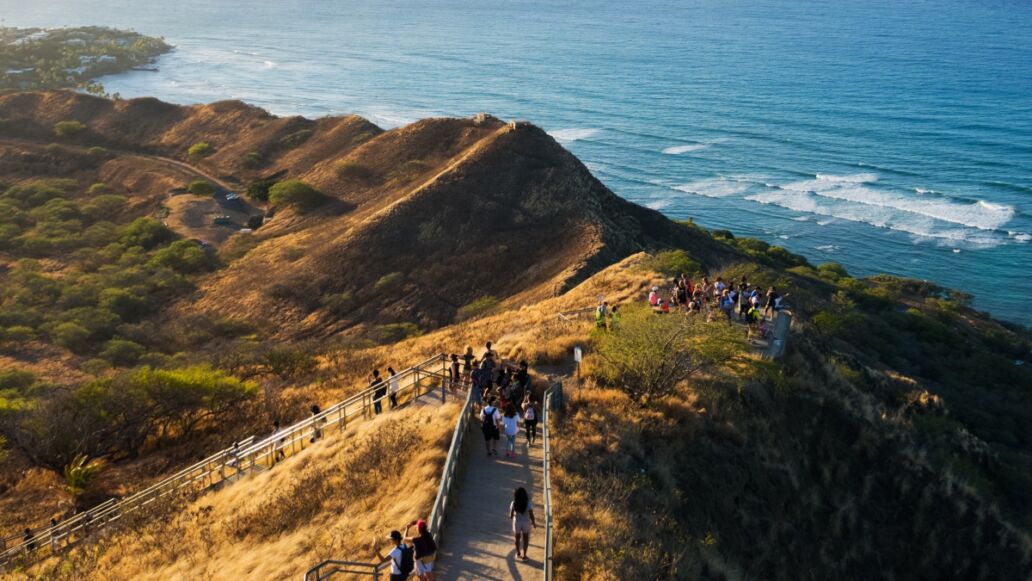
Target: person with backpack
511	423
316	432
522	514
600	315
531	413
426	550
489	419
402	557
379	392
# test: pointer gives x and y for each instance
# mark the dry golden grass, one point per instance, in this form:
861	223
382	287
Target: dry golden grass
327	502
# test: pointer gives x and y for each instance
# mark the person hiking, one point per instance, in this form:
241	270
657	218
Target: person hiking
27	542
531	414
600	315
521	381
467	365
476	387
278	445
489	418
380	391
392	386
491	353
453	372
614	317
654	296
770	300
425	547
522	514
402	557
511	424
316	432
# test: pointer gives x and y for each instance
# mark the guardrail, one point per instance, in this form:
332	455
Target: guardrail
331	567
553	398
233	463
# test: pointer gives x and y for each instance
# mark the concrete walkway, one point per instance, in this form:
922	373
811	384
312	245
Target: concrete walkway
478	540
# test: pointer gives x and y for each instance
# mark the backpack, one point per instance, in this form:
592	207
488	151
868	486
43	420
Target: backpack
489	419
529	414
408	562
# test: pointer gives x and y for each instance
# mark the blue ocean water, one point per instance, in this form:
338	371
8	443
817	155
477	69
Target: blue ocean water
888	136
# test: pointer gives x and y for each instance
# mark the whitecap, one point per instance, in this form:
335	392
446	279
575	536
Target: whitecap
714	187
803	218
572	134
828	247
270	64
658	204
679	149
1020	236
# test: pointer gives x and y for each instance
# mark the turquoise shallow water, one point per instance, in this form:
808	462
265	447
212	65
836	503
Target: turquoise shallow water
887	136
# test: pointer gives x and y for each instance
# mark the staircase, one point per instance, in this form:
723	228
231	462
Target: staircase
256	453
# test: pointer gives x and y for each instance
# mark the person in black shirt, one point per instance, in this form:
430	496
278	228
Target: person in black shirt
381	391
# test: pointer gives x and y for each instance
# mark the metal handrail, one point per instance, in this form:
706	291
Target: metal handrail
234	462
449	473
553	397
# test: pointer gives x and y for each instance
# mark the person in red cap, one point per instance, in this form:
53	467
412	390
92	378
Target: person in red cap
426	550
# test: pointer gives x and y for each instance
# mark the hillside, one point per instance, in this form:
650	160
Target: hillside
137	329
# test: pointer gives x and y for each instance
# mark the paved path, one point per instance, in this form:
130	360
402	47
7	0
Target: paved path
477	539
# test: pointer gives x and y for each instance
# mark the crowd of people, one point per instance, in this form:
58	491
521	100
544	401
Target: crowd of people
734	300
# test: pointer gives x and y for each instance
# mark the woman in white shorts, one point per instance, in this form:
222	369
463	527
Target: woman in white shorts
522	514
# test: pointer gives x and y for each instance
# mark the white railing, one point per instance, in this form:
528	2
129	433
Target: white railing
331	567
553	398
236	461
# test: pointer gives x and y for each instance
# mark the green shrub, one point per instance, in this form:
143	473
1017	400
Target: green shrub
71	336
104	207
79	474
482	306
296	138
122	352
126	304
252	160
296	193
69	128
183	256
288	362
832	271
16	379
388	281
648	356
338	304
17	334
97	152
201	188
200	149
258	190
356	172
673	263
99	188
144	232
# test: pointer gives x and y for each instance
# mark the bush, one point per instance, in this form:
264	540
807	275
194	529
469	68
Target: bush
71	336
122	352
200	149
144	232
201	188
339	304
252	160
17	334
295	193
16	379
99	188
296	138
673	263
288	362
478	308
97	152
647	356
258	190
183	256
388	281
357	172
104	207
69	128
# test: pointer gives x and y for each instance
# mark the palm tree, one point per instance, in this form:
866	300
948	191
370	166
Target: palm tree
79	474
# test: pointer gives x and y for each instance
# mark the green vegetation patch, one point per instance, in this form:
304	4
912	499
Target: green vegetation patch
200	149
297	194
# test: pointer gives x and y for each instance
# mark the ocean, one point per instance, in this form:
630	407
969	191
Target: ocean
891	137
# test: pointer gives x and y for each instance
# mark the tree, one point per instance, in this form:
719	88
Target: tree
296	193
649	355
144	232
258	190
287	362
183	256
79	474
122	352
201	188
